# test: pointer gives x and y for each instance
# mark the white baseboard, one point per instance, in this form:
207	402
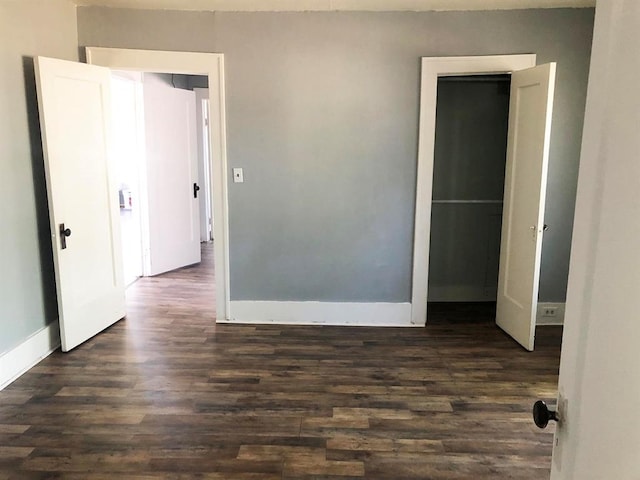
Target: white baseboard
18	360
557	319
321	313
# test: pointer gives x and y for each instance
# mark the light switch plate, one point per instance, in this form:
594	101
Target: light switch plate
238	176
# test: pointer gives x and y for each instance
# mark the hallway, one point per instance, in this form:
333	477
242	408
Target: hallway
168	394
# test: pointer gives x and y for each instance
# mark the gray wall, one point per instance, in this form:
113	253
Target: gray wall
27	290
197	81
185	82
322	112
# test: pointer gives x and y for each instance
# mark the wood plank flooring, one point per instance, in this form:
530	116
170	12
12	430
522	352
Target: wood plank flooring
167	394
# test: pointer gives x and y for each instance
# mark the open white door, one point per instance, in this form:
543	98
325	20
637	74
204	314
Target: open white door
83	200
530	111
172	177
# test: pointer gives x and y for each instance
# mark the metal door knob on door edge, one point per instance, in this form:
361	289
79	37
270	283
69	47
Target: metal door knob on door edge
64	233
543	414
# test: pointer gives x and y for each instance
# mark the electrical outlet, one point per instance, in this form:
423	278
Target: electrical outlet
550	312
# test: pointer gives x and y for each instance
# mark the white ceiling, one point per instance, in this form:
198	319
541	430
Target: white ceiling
332	5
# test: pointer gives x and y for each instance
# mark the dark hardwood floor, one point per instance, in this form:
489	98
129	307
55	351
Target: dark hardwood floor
167	394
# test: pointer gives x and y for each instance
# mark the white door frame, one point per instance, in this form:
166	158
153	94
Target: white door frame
191	63
205	187
432	68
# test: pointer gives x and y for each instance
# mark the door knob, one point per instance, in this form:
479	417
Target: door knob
543	414
64	233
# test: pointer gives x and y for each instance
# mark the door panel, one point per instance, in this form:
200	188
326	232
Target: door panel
75	120
530	112
172	170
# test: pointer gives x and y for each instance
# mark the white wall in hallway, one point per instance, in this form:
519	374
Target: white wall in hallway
128	157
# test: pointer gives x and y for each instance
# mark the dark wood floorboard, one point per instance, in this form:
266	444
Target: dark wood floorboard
167	394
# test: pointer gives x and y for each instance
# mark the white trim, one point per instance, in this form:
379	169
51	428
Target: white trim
18	360
557	319
203	94
336	5
322	313
432	68
212	65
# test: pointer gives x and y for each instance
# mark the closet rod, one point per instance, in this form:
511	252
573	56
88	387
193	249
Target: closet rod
468	201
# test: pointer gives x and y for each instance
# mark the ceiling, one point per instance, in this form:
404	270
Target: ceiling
333	5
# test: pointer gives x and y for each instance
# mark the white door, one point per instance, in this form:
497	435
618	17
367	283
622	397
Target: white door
172	176
83	200
530	111
598	436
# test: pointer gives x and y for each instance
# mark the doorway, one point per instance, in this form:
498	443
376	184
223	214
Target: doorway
157	131
468	184
191	63
75	110
529	131
432	69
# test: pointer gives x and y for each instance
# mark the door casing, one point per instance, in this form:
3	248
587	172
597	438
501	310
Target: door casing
192	63
432	68
204	165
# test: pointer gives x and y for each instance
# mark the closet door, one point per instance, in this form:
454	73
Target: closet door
530	109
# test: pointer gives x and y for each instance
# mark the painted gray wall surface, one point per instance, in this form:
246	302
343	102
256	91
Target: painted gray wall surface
322	114
168	79
472	119
197	81
27	289
469	164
